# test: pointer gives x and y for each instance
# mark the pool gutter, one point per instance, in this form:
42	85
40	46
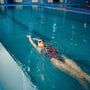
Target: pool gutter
11	75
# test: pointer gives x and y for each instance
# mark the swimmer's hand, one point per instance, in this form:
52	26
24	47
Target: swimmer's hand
31	41
29	36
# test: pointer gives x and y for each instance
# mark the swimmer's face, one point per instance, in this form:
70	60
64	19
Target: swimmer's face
41	43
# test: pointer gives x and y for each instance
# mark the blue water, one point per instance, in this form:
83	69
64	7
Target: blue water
68	32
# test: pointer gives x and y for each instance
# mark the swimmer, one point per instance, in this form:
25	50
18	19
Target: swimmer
61	62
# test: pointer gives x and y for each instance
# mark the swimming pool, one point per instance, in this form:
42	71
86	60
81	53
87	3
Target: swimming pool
68	32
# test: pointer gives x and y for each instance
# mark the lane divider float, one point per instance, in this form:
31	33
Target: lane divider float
62	9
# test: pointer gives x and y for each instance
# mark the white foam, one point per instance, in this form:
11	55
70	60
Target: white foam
11	75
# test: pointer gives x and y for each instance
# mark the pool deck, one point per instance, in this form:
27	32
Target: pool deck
11	75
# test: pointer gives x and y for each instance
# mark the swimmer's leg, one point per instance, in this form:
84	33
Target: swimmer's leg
60	65
86	76
77	68
83	83
72	64
79	75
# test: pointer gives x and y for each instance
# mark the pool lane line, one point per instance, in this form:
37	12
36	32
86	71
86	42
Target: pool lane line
54	6
65	9
34	32
87	8
70	9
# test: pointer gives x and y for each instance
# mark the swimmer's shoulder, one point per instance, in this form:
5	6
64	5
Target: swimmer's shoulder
38	49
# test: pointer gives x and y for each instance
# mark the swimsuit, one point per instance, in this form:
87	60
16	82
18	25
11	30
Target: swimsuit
52	53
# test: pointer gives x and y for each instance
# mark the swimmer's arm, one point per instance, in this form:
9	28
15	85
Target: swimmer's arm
31	41
35	39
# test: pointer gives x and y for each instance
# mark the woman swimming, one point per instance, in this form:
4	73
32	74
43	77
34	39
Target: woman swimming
61	62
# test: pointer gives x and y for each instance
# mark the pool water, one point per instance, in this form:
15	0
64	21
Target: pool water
68	32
